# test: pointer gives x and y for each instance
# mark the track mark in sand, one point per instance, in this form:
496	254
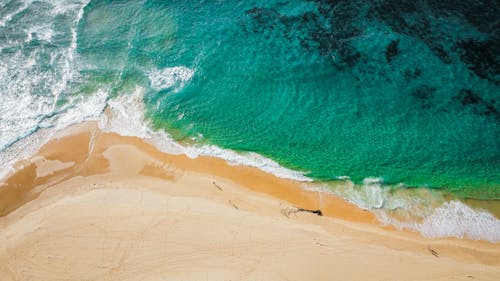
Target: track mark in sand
234	205
114	270
434	253
216	185
10	272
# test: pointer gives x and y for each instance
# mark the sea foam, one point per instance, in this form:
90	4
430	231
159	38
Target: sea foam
33	78
169	76
424	210
452	219
126	117
455	219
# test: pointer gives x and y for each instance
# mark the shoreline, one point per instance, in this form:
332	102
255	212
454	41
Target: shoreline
80	136
82	160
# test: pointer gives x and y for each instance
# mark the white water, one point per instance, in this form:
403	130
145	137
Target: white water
126	117
34	75
423	210
170	76
453	219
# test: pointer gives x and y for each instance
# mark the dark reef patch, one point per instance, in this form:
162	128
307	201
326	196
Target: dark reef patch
415	20
482	57
330	29
482	15
392	50
457	32
470	99
424	94
421	20
412	74
327	32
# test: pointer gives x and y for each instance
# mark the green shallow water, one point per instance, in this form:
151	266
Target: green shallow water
400	91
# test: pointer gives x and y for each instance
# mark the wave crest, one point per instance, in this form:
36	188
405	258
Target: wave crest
169	77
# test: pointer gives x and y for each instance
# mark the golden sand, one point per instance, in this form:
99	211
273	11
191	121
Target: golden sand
98	206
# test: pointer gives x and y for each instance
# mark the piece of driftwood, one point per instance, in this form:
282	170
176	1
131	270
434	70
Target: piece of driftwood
316	212
288	211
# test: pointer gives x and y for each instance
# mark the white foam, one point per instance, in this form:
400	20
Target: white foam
126	117
42	32
170	76
452	219
251	159
8	17
20	110
22	149
370	195
422	210
29	111
83	108
58	9
455	219
30	93
68	6
69	54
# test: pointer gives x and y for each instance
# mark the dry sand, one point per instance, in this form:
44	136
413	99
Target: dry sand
98	206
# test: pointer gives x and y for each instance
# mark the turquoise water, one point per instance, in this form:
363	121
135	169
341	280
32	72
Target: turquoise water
402	91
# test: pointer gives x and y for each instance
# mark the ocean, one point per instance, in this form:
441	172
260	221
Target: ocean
393	105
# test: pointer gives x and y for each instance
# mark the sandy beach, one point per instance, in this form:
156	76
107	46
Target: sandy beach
92	205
